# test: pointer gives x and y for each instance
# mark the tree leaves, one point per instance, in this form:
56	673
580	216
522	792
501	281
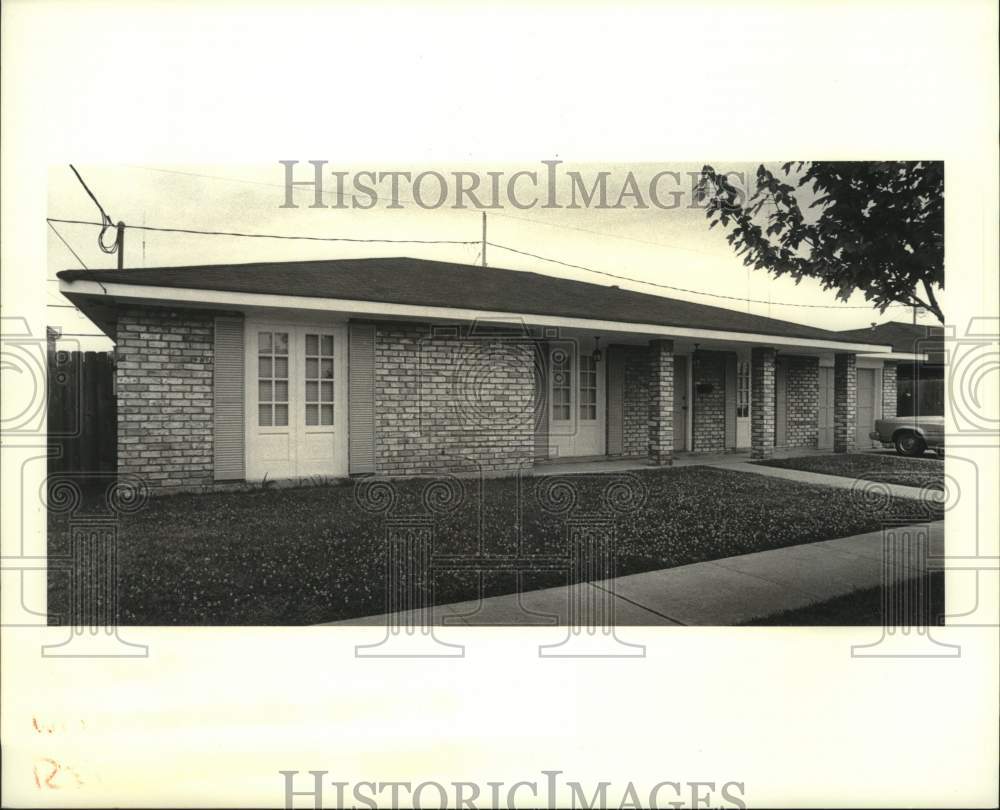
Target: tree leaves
873	227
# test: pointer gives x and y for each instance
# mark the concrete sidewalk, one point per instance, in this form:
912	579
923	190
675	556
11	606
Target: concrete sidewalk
839	481
721	592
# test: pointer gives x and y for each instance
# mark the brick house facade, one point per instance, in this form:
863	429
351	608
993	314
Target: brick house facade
163	380
448	400
288	371
802	401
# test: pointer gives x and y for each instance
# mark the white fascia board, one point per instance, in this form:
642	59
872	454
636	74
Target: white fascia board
900	356
222	298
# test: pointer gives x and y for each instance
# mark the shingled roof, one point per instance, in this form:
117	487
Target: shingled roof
422	282
903	337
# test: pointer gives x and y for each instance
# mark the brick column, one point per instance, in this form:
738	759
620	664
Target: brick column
889	388
762	402
661	402
845	403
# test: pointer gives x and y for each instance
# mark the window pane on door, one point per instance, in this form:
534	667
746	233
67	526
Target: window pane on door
319	379
272	382
743	390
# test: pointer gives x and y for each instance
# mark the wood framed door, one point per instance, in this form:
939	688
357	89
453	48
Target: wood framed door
742	403
866	408
296	400
577	401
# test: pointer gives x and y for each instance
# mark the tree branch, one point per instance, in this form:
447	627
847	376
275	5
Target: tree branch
934	307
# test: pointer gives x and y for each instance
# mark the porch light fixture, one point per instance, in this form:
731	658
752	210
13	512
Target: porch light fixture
597	350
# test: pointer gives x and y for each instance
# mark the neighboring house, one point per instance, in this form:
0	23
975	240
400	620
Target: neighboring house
919	380
402	366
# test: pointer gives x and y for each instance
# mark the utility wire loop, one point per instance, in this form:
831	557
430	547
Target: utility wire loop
106	221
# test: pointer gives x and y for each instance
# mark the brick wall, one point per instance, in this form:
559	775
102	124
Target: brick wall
709	420
635	405
890	387
761	402
446	401
163	377
801	401
661	402
845	402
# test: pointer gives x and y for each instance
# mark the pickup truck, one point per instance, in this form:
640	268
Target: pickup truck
911	435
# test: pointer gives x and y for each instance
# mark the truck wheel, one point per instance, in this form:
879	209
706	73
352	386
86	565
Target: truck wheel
910	444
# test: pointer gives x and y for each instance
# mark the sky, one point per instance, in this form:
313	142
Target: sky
669	245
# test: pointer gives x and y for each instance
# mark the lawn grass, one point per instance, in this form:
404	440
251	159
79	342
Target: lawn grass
890	469
862	607
315	554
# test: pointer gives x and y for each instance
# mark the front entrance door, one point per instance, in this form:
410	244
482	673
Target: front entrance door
296	403
576	399
743	404
866	407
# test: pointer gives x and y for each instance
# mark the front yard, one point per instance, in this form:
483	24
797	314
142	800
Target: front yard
316	554
890	469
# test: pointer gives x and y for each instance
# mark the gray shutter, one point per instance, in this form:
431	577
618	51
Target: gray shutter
227	395
361	397
616	400
730	401
541	350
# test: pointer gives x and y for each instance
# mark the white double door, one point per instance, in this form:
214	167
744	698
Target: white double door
296	399
576	400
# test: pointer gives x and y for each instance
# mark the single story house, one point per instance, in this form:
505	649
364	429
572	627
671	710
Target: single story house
403	366
920	382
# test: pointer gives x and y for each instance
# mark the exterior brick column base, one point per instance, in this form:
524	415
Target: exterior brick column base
661	402
762	403
845	403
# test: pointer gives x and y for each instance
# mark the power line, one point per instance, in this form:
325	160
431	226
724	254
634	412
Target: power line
668	246
70	249
278	236
106	221
469	242
671	287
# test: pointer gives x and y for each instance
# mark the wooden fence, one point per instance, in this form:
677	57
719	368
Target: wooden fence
82	415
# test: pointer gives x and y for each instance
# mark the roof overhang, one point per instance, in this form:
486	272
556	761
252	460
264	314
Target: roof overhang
101	298
903	357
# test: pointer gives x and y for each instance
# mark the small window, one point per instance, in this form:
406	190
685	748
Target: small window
743	390
272	379
319	380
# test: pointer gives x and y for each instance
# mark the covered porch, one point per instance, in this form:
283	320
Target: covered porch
629	401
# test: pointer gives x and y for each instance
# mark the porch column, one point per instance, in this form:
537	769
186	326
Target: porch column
889	388
661	402
845	402
762	402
